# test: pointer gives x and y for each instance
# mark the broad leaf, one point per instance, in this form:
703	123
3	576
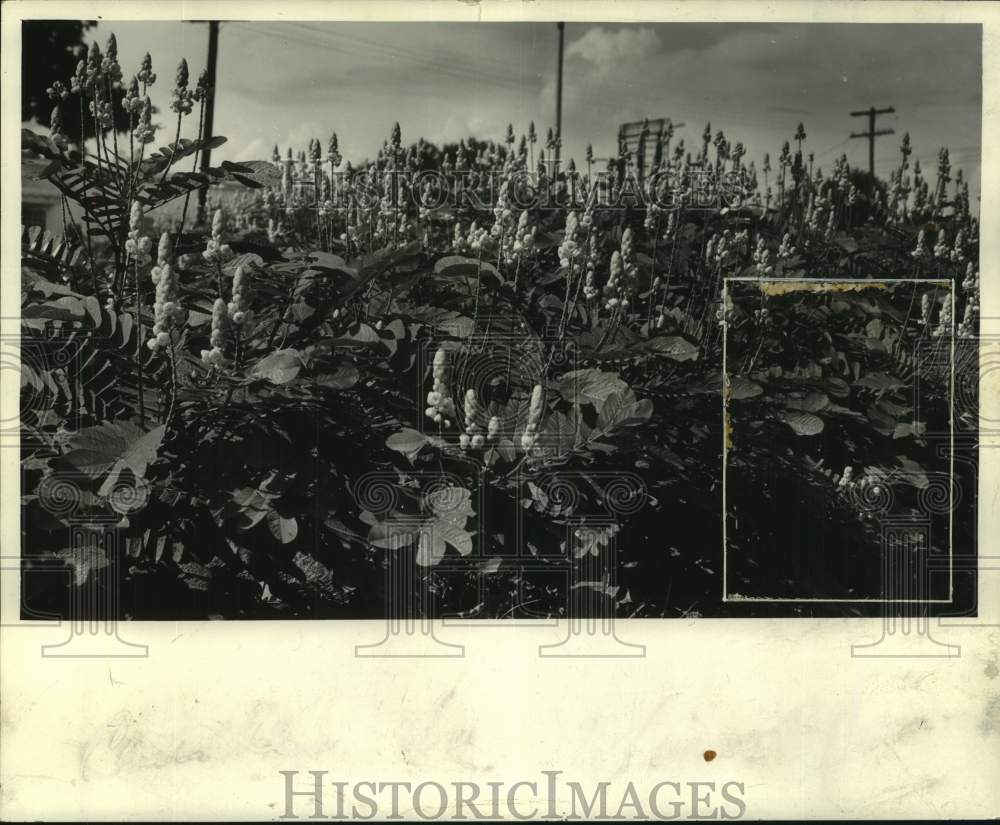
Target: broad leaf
409	442
97	449
455	266
740	388
283	529
280	367
673	347
344	378
804	423
590	386
622	410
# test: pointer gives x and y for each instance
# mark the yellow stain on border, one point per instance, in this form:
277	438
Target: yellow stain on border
786	287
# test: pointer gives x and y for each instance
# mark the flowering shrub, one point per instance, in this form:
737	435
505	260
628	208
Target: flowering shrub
333	325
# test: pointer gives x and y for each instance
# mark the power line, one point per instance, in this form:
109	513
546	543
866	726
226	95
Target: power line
831	148
413	53
559	84
206	153
463	70
454	70
871	134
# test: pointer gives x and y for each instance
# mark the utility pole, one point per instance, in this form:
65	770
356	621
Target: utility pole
559	84
206	154
871	134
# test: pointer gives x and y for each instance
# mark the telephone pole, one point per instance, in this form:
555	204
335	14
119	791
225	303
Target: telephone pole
206	154
559	84
871	134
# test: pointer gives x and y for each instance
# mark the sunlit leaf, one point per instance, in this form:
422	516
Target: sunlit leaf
280	367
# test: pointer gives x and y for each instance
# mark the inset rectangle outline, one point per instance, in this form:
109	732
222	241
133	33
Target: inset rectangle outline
951	453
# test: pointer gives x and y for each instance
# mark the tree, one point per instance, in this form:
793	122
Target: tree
50	50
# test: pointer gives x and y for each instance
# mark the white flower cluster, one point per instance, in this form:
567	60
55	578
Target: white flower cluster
623	274
590	290
478	239
56	128
216	250
503	227
831	225
112	70
814	213
146	73
722	249
94	72
569	249
652	216
137	245
958	251
941	248
181	98
215	356
615	275
710	250
459	242
404	226
202	90
762	258
57	91
970	287
530	434
427	201
440	405
274	230
842	172
101	110
944	318
145	132
472	437
668	233
132	101
166	308
239	307
628	255
78	82
925	309
920	249
898	195
524	238
785	249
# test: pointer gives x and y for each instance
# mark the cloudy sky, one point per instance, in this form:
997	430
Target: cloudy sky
287	82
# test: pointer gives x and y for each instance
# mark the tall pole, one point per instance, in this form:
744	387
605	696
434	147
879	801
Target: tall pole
559	84
872	133
206	154
871	142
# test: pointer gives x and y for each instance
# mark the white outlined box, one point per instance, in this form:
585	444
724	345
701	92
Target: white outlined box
814	285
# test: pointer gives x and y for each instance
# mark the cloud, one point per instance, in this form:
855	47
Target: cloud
256	149
608	50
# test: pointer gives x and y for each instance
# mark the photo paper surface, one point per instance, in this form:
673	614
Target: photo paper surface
443	411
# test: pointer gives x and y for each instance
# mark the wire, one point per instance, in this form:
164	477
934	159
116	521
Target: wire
453	70
831	148
463	70
501	64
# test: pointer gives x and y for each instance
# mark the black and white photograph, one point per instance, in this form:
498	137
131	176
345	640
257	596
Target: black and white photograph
499	410
322	320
